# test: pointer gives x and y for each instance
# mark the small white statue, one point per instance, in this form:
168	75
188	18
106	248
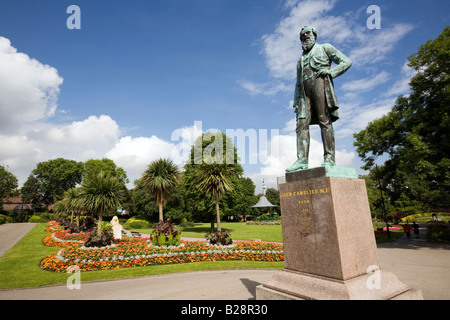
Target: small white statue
117	228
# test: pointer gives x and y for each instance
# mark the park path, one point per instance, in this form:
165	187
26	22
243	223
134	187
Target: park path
10	233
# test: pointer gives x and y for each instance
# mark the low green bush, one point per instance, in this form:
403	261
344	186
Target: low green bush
37	219
133	223
219	238
4	219
165	234
437	231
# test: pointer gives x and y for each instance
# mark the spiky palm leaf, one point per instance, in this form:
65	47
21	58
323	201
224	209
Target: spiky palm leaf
159	179
101	193
71	200
215	180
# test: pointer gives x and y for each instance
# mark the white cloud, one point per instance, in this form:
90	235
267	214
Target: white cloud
267	89
80	141
367	113
374	47
91	133
401	86
135	154
367	83
28	88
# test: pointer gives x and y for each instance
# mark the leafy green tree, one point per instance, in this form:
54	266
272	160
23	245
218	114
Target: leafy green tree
142	203
374	195
102	193
8	184
213	170
94	166
50	179
159	179
32	193
414	136
240	201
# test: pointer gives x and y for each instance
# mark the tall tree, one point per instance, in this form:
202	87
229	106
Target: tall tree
415	134
142	202
213	170
50	179
94	166
100	194
159	179
8	184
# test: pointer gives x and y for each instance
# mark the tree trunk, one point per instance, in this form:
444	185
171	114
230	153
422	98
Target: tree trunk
99	224
160	205
71	218
218	214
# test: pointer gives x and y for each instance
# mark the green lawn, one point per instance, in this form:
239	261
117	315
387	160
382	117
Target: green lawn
238	231
19	267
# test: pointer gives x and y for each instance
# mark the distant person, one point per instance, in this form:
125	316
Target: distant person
434	216
407	229
415	226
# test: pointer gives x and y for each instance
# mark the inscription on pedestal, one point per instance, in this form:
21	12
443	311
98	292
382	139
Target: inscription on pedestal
304	200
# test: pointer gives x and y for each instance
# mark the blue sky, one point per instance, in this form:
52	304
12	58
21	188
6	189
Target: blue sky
139	73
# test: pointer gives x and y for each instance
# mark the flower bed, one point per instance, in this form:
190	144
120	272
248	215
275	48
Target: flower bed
140	252
63	238
53	226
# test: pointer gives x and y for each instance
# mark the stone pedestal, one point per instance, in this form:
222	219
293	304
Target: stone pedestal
329	245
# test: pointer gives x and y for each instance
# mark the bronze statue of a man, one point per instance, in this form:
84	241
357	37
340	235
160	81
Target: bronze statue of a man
315	101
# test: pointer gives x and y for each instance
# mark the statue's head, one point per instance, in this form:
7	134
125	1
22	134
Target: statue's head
308	36
115	221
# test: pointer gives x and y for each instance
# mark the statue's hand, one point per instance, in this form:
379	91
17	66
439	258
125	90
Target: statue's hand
323	73
295	108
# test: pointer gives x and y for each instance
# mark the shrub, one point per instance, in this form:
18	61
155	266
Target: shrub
104	240
165	234
37	219
134	223
4	219
437	231
186	224
219	237
138	224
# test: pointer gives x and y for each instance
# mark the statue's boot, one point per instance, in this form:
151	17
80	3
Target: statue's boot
297	166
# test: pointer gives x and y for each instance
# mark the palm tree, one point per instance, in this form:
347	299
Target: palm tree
215	180
71	201
102	193
159	179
